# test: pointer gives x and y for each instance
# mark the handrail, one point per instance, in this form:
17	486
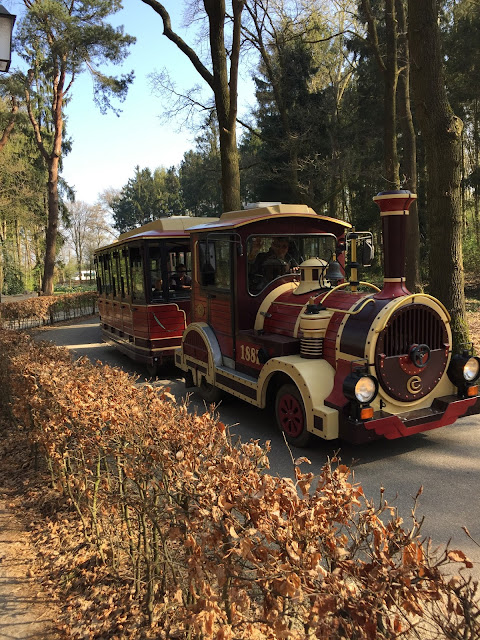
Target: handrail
346	284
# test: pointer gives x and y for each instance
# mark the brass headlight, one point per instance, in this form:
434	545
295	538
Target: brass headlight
464	371
471	369
360	387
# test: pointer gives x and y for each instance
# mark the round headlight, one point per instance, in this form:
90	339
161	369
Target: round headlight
471	369
365	389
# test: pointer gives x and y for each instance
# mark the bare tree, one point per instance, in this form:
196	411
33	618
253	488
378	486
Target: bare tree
223	81
87	230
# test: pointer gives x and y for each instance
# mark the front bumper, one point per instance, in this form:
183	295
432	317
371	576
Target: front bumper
443	411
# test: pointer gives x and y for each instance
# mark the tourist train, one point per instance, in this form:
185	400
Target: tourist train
275	314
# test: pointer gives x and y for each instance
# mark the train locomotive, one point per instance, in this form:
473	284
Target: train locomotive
276	321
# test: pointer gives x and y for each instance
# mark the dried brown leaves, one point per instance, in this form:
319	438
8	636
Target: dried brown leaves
180	533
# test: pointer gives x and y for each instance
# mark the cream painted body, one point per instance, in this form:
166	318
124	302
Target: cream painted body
314	378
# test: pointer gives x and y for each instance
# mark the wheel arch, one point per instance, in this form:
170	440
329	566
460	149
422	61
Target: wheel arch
273	384
314	380
200	367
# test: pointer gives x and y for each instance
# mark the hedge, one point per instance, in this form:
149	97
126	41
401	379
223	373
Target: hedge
32	312
180	532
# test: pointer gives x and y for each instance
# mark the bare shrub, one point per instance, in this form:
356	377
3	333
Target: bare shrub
184	533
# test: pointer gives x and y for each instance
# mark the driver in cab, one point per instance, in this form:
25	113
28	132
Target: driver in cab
277	258
271	264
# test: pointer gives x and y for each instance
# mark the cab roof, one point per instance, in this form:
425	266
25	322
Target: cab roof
235	219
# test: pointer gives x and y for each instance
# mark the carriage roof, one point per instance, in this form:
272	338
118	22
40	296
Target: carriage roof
167	228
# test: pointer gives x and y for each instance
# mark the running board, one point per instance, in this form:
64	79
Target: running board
237	383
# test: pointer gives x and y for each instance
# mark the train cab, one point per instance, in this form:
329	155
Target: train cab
248	258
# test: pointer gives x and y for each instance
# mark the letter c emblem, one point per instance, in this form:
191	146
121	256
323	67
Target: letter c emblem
414	384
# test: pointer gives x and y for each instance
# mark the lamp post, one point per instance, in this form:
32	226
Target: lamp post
7	20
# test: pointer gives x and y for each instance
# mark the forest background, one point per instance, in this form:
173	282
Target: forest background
334	123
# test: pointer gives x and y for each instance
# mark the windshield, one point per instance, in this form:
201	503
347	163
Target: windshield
271	257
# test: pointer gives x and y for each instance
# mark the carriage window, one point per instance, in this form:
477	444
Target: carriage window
109	275
103	275
155	272
136	271
117	272
169	270
98	272
215	263
125	288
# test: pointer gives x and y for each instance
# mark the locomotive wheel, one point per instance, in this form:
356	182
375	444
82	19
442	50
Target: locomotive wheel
290	415
209	393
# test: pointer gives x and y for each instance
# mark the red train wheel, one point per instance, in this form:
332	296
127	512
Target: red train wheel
290	414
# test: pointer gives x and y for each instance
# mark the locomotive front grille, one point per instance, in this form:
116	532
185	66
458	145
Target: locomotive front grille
398	374
414	324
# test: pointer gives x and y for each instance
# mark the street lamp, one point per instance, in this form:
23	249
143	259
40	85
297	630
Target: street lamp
7	20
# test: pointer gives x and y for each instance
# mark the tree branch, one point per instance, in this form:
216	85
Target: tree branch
179	42
237	29
372	32
34	121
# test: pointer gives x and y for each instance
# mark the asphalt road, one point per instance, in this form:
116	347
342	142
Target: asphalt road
445	462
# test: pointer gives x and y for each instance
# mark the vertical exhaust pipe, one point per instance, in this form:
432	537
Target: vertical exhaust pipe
394	207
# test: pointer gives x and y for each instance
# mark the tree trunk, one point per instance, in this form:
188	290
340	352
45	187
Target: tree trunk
52	159
389	67
223	84
28	265
409	165
3	236
52	227
390	90
476	170
225	93
441	131
18	247
230	170
11	123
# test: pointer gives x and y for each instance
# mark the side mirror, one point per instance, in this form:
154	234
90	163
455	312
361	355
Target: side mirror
367	253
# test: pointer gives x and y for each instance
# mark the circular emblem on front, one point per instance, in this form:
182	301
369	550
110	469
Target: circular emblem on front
414	384
199	310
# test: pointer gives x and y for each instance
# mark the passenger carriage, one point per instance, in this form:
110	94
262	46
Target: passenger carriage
144	322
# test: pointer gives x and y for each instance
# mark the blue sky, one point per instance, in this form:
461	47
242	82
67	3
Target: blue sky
106	148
